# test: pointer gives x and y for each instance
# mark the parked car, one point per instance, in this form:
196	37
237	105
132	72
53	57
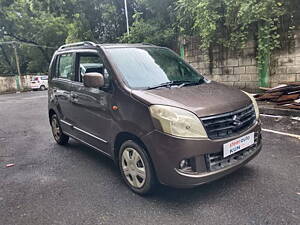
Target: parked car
39	83
152	113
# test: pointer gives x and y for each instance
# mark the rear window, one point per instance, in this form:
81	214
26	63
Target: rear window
35	78
64	67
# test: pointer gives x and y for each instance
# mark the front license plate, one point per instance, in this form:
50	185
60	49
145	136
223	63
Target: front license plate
238	144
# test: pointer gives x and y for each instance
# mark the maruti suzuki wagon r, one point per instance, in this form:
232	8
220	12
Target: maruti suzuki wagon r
152	113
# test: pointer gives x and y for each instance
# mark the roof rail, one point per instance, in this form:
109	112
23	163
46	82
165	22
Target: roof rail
77	44
145	43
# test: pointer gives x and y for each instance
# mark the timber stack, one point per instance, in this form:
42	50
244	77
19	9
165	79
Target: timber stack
286	95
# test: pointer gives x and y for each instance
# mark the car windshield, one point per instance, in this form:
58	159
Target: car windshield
151	67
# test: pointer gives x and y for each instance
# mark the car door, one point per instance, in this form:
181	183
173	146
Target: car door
91	106
61	88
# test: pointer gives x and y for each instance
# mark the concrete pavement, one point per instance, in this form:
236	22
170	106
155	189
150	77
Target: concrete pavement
51	184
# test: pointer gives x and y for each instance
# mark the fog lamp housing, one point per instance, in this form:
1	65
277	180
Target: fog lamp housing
185	165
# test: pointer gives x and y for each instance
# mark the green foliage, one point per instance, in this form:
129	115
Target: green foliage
153	22
227	23
149	32
25	22
53	23
231	23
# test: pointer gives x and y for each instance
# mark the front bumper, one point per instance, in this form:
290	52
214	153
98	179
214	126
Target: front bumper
167	151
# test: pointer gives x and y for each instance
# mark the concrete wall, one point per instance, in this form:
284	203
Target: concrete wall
240	69
8	84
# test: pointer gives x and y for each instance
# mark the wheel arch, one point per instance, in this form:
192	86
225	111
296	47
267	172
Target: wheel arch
126	136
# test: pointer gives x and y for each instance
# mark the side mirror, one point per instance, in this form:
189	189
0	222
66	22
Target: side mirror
93	80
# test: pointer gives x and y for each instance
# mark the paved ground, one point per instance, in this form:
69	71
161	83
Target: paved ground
50	184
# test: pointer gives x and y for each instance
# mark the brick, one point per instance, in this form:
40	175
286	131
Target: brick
254	77
250	44
283	78
194	65
217	71
297	39
229	83
209	77
240	84
291	77
274	84
232	62
297	60
223	78
280	70
203	65
293	69
239	70
275	78
286	61
245	61
227	70
249	52
217	78
245	77
233	77
252	85
251	69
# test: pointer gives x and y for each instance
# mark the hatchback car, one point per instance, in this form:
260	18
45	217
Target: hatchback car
39	83
152	113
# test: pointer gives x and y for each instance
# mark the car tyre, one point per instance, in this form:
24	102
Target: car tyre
136	168
58	135
42	88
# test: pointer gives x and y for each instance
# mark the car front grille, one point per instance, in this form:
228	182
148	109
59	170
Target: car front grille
216	161
229	124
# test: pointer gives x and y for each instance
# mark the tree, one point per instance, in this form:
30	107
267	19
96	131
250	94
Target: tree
153	22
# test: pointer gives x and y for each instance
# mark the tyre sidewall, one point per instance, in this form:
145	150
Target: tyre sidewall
150	176
63	139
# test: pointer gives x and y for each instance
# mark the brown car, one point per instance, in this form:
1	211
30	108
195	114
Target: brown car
152	113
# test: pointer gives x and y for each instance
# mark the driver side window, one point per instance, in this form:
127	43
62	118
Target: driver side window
90	63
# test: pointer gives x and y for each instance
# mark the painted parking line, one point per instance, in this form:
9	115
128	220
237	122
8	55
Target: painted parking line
282	133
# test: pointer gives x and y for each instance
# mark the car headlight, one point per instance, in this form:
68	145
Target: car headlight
178	122
254	104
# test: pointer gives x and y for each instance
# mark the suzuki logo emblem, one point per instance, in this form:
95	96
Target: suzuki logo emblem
236	121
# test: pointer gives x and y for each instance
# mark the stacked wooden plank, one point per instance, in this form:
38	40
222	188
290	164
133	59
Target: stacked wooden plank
286	95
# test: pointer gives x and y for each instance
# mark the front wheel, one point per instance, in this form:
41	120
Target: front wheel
58	135
136	168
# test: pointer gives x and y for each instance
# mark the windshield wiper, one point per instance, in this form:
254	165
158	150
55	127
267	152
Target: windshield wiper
179	83
188	83
166	84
